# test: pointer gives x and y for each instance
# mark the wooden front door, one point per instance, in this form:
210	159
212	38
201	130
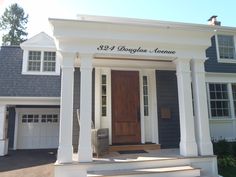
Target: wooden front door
125	107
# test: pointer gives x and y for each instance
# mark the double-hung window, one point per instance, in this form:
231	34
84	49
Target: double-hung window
49	61
226	47
219	100
34	61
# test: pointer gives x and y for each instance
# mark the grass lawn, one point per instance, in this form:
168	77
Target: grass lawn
227	171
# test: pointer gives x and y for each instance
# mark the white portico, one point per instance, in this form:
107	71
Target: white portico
139	47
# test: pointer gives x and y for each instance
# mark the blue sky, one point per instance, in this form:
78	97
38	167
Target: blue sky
190	11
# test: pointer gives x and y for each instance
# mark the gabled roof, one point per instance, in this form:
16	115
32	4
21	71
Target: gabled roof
41	40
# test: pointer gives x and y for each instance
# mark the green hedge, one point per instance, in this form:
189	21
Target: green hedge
226	153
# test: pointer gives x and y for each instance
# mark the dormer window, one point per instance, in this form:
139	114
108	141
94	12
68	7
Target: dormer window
40	56
226	48
41	61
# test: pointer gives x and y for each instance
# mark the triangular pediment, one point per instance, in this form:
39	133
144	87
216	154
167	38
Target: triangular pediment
41	40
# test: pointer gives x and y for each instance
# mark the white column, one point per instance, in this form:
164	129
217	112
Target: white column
3	138
188	146
200	107
65	148
85	147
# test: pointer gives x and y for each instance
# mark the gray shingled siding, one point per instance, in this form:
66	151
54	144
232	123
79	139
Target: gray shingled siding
167	96
77	105
13	83
211	65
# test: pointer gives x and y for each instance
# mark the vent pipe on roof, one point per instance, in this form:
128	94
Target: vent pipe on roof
213	21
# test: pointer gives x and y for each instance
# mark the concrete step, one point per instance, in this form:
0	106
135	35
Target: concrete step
143	164
176	171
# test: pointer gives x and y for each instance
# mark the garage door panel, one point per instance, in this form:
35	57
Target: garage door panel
38	130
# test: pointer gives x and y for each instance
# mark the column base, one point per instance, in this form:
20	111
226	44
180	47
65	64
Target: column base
188	149
205	148
64	154
85	154
3	147
70	170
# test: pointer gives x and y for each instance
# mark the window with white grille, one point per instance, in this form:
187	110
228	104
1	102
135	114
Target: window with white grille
226	47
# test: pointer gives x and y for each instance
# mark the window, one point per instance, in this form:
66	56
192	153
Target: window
52	118
145	96
30	118
226	47
34	61
219	100
40	62
104	95
36	118
49	61
234	96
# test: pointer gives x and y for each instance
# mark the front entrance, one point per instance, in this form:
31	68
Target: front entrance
125	107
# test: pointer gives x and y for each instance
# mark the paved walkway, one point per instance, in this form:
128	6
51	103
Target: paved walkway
28	163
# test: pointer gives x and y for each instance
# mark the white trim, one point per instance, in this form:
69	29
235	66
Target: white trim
149	124
227	60
220	77
103	121
131	63
30	100
140	22
141	102
16	129
97	99
208	100
222	120
231	100
109	103
154	106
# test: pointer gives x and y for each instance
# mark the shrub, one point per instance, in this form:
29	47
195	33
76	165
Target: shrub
226	161
222	148
233	147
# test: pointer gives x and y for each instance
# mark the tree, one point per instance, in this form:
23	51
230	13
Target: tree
14	21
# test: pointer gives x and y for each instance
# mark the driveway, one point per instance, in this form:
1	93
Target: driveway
28	163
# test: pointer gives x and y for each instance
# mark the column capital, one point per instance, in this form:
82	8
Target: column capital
198	60
182	64
181	60
197	65
86	60
68	59
82	55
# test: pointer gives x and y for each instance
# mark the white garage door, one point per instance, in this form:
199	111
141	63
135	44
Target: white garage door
38	129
